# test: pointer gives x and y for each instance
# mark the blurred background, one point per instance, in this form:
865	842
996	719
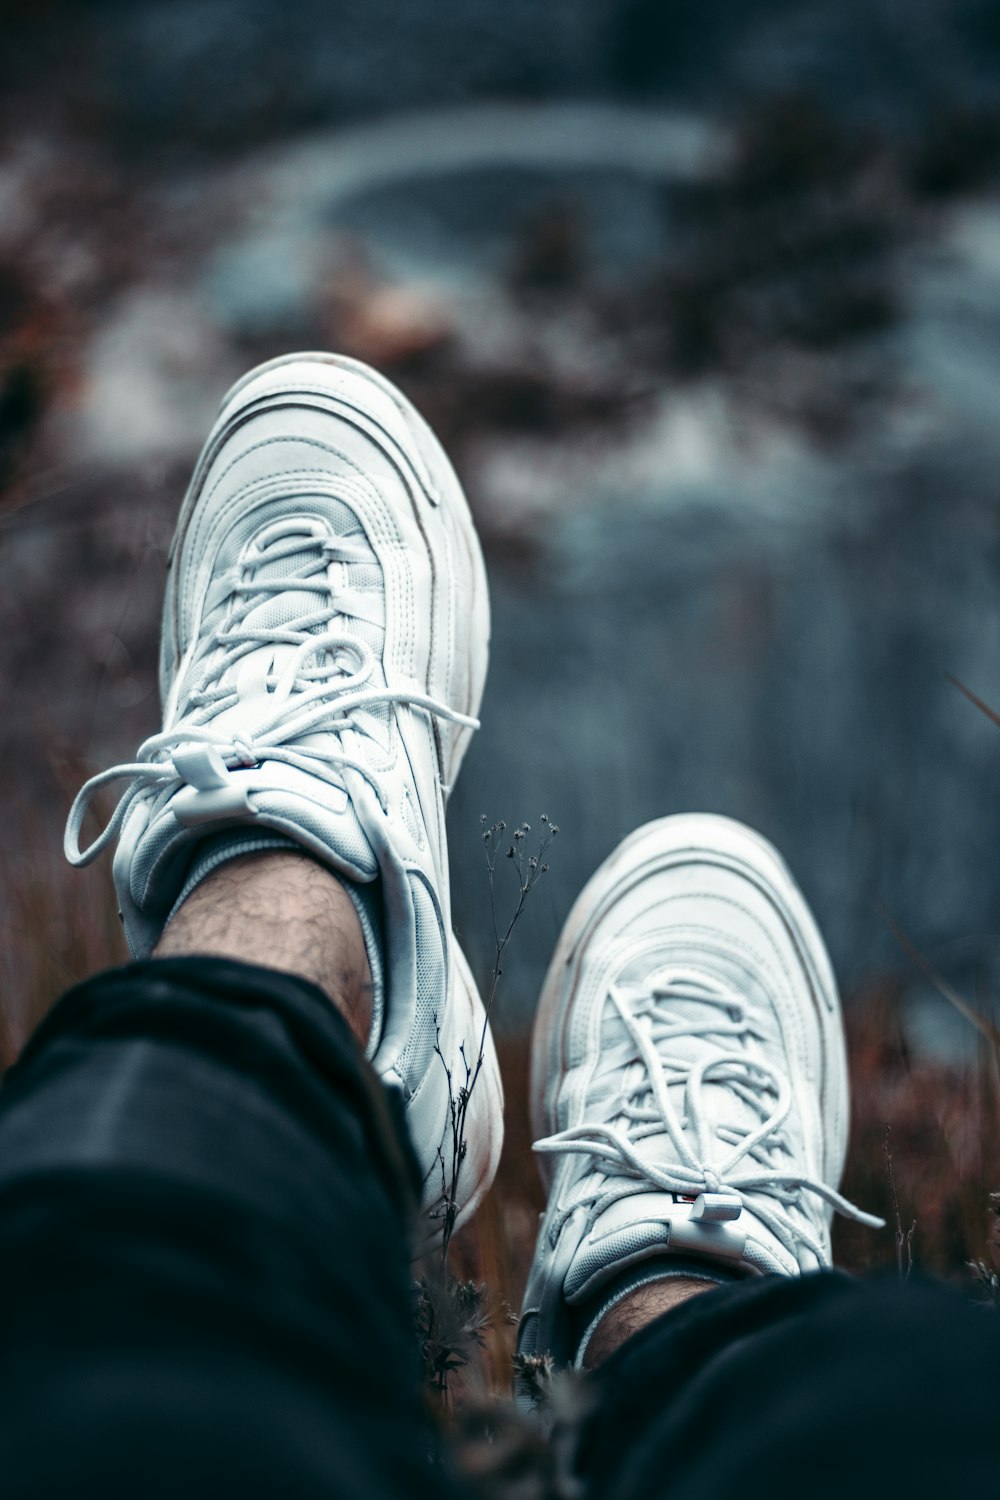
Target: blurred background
705	303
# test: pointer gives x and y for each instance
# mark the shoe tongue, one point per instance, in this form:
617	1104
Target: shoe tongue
255	674
351	602
720	1104
352	596
656	1223
281	566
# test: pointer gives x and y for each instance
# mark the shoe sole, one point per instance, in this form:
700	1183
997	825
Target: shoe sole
658	845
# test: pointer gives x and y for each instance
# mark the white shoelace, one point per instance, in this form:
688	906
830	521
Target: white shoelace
305	699
748	1171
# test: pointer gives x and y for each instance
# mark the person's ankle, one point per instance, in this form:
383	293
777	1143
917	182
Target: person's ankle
638	1297
284	910
635	1311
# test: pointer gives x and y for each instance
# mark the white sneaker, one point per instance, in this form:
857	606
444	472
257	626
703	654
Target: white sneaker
689	1079
324	648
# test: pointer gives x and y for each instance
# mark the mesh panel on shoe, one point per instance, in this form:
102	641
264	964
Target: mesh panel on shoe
335	827
365	576
631	1240
297	501
339	831
280	610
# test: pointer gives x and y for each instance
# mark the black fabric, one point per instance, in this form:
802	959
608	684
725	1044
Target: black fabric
205	1202
204	1225
820	1386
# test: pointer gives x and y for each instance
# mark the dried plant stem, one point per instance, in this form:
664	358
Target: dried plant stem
527	868
904	1241
452	1316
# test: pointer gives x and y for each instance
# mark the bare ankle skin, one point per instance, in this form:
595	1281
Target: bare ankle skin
285	911
640	1307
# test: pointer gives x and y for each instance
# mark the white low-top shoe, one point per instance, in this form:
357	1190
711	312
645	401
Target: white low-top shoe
324	649
689	1078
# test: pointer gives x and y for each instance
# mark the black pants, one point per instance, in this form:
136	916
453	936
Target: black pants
204	1208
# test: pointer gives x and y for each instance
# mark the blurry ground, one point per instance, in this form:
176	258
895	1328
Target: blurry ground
709	322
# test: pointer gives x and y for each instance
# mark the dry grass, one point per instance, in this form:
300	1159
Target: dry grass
944	1140
55	929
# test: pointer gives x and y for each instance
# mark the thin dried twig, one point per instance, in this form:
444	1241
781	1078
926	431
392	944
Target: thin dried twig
982	1023
983	707
903	1241
528	868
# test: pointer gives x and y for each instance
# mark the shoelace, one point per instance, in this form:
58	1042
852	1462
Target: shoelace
748	1170
305	699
